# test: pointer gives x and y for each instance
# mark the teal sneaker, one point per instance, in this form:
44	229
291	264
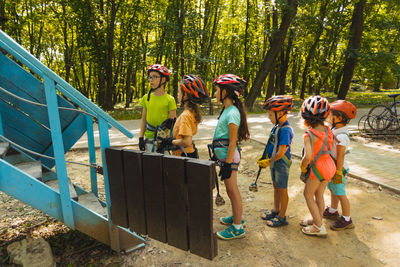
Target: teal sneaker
231	233
229	220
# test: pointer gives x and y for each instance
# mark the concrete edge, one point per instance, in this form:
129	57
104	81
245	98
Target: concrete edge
389	187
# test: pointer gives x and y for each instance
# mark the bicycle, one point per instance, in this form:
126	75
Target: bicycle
382	117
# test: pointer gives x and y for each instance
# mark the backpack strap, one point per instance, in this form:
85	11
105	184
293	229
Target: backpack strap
276	145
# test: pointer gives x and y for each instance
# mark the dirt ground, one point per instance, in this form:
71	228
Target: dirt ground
372	243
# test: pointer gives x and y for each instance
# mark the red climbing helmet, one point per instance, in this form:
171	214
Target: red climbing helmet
315	107
160	69
279	103
195	88
345	107
231	81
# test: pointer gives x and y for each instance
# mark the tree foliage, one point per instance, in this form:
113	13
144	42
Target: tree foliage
104	47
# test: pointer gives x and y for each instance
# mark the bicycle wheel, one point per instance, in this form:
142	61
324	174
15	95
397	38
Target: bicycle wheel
380	118
396	117
363	126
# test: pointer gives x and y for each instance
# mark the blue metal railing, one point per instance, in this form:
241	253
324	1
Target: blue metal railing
17	51
53	82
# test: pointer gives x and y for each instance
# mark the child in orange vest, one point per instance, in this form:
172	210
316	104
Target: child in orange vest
317	166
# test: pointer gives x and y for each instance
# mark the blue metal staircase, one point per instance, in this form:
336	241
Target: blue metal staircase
41	118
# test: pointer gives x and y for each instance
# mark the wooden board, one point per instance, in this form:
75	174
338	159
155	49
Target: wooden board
176	200
134	191
154	195
115	168
200	175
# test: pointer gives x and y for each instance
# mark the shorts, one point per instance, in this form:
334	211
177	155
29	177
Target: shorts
338	189
150	145
280	173
235	161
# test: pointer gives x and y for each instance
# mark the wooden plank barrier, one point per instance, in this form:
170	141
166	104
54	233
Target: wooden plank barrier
176	202
153	180
166	197
200	179
135	191
115	167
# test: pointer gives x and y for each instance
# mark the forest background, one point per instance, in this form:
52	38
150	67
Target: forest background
299	47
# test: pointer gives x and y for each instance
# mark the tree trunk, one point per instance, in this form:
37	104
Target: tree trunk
285	63
246	35
295	73
109	86
311	51
353	48
3	18
271	83
288	13
144	70
128	90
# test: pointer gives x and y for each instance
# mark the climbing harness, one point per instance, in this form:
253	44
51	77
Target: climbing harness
321	152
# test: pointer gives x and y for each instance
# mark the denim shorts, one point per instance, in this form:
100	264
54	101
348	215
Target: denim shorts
280	173
338	189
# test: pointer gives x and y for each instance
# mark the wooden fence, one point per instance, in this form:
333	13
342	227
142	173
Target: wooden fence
165	197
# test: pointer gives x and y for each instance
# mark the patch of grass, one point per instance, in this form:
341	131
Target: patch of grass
126	114
366	98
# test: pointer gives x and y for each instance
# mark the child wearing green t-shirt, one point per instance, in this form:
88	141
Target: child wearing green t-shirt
157	106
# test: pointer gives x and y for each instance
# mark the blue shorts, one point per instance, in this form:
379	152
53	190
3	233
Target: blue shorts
280	173
338	189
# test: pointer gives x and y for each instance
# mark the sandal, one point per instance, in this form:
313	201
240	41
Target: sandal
306	222
269	216
308	230
277	221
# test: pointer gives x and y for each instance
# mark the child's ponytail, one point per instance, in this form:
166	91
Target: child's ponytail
244	133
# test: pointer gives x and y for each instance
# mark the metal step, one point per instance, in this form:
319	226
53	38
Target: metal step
54	184
90	201
3	149
33	168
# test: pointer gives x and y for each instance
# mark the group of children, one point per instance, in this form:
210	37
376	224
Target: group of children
322	165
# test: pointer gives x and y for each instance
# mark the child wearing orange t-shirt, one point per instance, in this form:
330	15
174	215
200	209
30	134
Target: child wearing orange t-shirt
317	166
192	92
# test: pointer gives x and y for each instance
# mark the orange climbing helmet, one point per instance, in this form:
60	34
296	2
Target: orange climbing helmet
279	103
195	88
345	107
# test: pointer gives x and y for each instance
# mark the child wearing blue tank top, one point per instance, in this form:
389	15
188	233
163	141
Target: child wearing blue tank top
231	129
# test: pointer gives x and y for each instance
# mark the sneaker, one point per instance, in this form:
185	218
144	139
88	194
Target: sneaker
342	224
229	220
231	233
329	215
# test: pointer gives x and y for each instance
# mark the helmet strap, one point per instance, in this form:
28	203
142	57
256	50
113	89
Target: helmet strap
276	117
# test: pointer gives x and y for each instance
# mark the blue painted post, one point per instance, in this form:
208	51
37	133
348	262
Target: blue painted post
92	153
58	148
104	143
1	126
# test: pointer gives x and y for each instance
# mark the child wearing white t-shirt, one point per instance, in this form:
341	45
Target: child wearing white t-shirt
341	113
